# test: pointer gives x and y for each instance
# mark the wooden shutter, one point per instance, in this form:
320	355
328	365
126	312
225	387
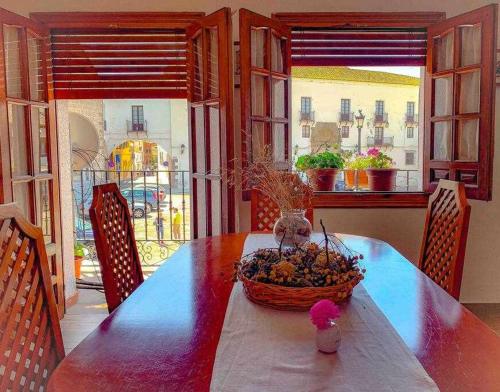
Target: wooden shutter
119	63
460	102
368	47
210	96
28	137
265	87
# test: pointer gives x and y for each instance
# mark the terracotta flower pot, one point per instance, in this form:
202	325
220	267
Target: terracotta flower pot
350	178
78	266
322	179
381	180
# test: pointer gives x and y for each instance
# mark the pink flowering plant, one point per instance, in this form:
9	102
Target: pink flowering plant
378	160
323	312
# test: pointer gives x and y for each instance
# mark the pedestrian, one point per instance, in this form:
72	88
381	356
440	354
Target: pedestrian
159	225
176	223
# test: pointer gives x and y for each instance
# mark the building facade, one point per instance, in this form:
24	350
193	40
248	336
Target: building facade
335	95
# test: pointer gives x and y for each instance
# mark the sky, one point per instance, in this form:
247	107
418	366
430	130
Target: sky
409	71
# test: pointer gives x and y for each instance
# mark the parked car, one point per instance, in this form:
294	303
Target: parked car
149	195
137	207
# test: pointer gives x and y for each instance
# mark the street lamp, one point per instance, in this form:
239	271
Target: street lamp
360	119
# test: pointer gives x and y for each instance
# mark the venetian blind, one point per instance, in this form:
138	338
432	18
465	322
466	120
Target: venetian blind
342	47
119	63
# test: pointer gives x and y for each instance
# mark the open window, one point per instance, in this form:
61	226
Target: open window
211	123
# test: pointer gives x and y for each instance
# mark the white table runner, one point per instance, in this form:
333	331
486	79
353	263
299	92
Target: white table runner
267	350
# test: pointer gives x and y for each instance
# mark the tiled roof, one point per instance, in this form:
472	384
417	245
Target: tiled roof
352	75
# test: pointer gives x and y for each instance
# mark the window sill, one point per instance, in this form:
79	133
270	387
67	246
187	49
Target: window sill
370	200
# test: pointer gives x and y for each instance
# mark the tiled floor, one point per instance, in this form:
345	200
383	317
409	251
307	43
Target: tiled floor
82	318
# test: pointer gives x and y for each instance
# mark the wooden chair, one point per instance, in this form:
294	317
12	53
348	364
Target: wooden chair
445	236
115	244
31	343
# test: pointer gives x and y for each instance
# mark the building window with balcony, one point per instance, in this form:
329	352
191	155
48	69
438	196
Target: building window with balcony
379	108
345	106
305	104
345	131
410	108
138	118
379	136
410	158
306	131
410	132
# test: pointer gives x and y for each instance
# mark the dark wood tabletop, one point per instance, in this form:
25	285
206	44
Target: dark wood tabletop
164	337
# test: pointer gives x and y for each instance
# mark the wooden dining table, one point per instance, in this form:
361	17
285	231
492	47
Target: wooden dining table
164	336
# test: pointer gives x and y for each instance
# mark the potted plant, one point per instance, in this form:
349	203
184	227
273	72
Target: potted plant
321	169
380	171
357	164
79	254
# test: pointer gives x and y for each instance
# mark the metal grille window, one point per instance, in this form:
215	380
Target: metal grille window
410	108
410	158
345	131
410	132
379	108
345	106
306	131
379	135
138	118
305	104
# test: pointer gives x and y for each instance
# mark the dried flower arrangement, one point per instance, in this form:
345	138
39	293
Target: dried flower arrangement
295	278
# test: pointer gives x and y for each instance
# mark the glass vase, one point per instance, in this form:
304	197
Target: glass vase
328	339
292	228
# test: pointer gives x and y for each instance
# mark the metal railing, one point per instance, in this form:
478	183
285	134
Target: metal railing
380	118
306	117
411	118
137	126
346	117
159	203
385	141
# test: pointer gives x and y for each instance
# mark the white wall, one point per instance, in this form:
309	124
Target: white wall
482	268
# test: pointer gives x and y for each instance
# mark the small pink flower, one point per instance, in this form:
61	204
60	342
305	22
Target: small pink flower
322	312
373	152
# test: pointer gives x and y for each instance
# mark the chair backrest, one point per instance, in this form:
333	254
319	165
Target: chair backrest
445	236
31	343
115	244
265	212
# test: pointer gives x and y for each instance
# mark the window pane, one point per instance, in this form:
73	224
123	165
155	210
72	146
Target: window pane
443	96
199	118
470	45
213	63
442	141
11	40
216	209
259	95
277	47
468	140
443	56
258	132
40	141
22	198
201	204
469	92
279	101
279	145
44	214
258	47
18	140
37	85
198	69
213	112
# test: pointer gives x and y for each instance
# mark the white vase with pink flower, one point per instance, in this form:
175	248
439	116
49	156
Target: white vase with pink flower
328	336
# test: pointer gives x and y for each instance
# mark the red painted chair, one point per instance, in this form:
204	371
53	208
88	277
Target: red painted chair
445	236
31	343
115	244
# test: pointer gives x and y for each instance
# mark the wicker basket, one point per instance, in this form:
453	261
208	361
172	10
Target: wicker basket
294	298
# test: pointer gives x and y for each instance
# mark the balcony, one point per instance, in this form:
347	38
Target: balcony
135	126
411	119
380	119
346	118
386	141
306	118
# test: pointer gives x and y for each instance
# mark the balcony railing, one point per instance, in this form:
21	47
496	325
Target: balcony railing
346	118
306	117
136	126
411	119
386	141
380	118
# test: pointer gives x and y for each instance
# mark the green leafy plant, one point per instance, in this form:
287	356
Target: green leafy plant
378	160
322	160
358	162
79	249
